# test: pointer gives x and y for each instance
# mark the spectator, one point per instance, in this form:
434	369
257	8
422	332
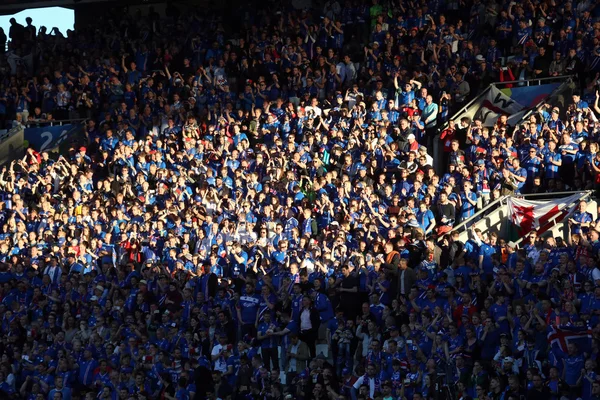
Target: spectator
262	197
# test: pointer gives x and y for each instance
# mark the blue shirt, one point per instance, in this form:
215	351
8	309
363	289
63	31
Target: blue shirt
569	158
486	251
468	209
86	371
532	165
573	366
249	305
425	218
581	217
551	169
270	341
323	305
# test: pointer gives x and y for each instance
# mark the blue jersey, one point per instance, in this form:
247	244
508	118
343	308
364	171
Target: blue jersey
569	158
486	251
581	217
323	305
468	209
270	341
425	218
551	170
249	306
533	166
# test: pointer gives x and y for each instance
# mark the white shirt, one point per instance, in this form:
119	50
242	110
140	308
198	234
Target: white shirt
62	98
428	160
294	351
305	323
217	349
317	111
221	364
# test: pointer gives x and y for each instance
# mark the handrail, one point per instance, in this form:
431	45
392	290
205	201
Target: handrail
539	80
57	122
478	213
586	193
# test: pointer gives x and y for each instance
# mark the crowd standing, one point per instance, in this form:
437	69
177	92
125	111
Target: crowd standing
256	213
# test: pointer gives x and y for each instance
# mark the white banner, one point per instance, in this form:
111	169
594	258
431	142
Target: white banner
496	103
530	215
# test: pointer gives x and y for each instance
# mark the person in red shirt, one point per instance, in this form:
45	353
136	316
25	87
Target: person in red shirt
446	137
413	145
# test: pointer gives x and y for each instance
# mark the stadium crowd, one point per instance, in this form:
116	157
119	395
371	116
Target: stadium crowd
256	214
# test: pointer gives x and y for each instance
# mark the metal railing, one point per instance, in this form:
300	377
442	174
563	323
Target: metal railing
553	195
534	81
35	124
468	222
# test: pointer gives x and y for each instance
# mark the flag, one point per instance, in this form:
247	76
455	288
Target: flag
562	336
528	215
495	103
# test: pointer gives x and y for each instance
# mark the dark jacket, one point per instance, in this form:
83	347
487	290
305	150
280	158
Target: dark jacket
390	264
315	319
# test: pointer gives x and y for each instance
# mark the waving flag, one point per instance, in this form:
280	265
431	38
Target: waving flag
496	103
529	215
562	336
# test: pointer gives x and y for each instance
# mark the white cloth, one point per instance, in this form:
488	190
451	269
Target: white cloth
216	350
360	381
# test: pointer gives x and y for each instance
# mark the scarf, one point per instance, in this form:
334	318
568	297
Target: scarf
377	382
390	257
